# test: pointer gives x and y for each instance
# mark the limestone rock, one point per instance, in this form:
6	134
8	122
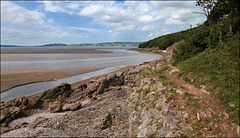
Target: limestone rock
73	106
21	125
82	86
21	102
9	114
36	122
56	91
55	106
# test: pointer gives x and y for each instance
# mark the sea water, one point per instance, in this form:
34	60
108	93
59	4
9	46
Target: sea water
121	57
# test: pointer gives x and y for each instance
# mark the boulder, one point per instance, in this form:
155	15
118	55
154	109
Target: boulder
73	106
55	106
82	86
8	114
21	102
56	91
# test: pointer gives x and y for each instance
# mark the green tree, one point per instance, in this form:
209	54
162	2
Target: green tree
206	7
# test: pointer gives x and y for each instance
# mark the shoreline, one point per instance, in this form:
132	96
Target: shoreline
59	51
79	83
11	79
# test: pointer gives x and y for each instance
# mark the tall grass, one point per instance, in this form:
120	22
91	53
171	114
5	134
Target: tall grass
218	69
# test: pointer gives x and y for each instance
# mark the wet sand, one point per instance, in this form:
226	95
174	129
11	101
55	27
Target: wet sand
10	79
57	51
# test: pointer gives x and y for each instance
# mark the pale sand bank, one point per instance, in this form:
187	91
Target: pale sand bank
10	79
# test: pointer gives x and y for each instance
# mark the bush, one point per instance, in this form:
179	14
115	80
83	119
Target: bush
193	44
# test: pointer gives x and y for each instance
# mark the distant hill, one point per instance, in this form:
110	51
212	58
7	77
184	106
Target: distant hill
10	46
108	44
85	44
55	44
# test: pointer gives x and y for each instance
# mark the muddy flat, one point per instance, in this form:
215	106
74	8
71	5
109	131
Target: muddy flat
56	51
10	79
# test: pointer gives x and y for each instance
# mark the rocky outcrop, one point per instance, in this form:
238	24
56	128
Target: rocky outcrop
151	114
170	51
13	109
72	107
55	107
8	114
118	104
63	90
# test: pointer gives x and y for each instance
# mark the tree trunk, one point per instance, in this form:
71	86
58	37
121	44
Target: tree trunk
220	36
231	23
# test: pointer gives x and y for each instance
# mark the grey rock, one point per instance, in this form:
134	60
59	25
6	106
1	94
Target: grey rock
57	91
55	106
72	107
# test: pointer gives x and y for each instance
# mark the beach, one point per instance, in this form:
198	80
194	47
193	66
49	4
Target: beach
10	79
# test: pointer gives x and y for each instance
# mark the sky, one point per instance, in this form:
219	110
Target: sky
42	22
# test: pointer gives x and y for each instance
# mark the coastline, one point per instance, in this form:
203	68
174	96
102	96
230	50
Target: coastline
77	84
11	79
113	105
58	51
153	51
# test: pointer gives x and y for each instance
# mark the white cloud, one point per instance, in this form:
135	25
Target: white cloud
150	35
50	21
15	14
148	28
172	21
70	7
120	20
83	30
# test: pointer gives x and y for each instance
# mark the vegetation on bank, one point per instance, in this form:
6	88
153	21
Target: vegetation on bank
209	54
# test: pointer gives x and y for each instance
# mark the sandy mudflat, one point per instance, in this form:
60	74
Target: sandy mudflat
10	79
57	51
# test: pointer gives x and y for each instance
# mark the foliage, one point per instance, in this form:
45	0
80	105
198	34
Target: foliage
164	41
210	52
206	6
194	43
218	69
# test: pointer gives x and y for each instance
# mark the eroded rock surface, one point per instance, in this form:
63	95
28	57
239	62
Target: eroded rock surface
118	104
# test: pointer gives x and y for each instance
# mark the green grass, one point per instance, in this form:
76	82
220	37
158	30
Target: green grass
146	91
186	79
194	102
173	92
151	135
159	108
218	69
97	108
62	128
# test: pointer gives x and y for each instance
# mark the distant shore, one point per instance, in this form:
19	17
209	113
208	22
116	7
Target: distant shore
11	79
57	51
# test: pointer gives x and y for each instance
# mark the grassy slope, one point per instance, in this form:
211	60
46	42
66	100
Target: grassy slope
164	41
218	69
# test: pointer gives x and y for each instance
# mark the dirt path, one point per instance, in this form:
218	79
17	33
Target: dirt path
210	103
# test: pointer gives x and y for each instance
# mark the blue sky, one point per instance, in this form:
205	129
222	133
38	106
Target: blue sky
41	22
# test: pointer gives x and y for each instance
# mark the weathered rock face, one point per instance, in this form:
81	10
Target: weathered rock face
151	114
55	106
8	114
73	106
120	104
63	90
12	109
21	102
